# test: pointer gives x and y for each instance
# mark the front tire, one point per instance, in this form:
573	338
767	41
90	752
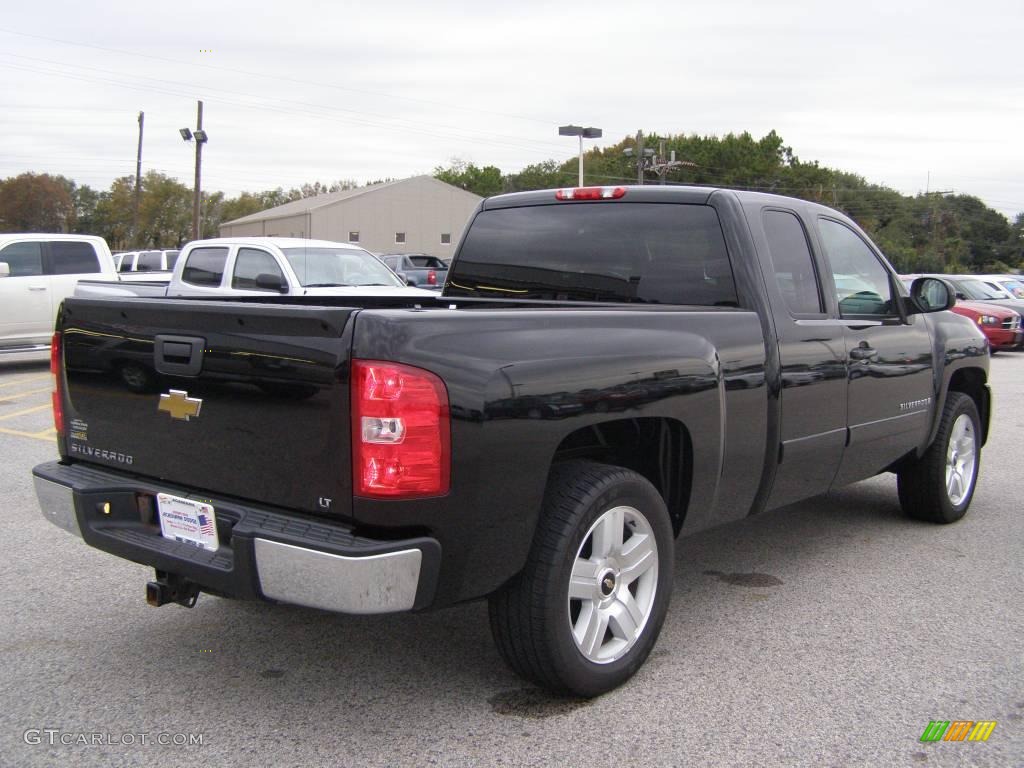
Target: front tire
938	487
585	612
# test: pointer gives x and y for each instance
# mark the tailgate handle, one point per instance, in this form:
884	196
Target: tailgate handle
178	355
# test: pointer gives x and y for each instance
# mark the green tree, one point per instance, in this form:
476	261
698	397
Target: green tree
484	181
165	213
113	213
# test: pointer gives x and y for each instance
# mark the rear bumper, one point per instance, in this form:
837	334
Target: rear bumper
263	553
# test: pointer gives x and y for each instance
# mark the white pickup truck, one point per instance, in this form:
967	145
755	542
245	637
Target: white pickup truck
37	272
254	266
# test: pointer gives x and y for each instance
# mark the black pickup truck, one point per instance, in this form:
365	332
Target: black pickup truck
606	369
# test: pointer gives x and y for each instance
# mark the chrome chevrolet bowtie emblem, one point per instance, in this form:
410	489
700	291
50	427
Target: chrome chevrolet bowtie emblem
180	405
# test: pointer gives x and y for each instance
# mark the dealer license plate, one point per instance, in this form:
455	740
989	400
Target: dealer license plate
189	521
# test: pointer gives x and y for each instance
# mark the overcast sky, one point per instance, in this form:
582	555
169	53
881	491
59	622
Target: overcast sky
299	91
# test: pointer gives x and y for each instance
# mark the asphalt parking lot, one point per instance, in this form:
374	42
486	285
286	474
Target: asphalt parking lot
826	634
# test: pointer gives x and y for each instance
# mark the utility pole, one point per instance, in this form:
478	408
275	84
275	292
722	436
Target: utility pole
661	166
199	166
138	185
640	157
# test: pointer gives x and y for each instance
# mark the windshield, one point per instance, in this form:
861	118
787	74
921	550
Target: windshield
338	266
977	290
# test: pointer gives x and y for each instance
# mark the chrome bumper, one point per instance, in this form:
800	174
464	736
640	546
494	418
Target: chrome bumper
373	584
385	582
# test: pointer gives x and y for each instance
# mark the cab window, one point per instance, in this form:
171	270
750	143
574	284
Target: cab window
250	264
24	259
205	267
791	259
861	282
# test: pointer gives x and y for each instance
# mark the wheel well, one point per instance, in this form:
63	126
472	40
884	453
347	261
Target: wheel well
971	381
657	448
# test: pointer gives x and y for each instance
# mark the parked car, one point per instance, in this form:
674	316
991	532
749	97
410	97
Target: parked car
1011	284
37	272
1002	325
973	288
418	269
244	266
606	369
147	261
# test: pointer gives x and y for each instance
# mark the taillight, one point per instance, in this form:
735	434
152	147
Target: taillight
401	435
56	396
590	193
431	277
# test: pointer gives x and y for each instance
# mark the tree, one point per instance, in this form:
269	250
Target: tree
36	203
484	181
165	213
114	213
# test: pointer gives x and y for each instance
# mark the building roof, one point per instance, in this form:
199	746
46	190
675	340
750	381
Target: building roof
307	204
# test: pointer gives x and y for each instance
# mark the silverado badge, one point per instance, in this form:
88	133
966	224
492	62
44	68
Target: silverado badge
177	403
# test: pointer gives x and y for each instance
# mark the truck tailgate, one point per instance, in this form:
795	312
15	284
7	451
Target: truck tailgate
248	399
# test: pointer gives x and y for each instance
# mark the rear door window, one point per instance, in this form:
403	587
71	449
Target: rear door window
24	259
627	252
205	267
792	262
71	258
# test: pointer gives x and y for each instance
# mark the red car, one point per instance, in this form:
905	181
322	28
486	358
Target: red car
1000	325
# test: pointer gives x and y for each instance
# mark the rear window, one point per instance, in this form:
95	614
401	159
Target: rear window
70	258
172	258
427	262
205	266
627	252
149	261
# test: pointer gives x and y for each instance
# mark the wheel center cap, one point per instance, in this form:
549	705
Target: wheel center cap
607	583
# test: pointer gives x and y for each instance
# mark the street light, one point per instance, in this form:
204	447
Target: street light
200	138
583	133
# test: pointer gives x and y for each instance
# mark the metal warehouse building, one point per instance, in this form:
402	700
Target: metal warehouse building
417	215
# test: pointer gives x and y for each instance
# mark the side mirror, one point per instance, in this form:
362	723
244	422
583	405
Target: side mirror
931	294
265	281
5	269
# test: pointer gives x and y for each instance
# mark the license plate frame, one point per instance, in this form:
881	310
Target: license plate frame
188	521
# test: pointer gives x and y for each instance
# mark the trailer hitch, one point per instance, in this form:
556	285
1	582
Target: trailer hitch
169	588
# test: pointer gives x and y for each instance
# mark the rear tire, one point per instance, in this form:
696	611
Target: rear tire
938	487
585	612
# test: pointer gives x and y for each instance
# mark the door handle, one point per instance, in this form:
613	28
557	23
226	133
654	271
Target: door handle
863	353
37	287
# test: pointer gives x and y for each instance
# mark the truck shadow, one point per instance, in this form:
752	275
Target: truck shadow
306	662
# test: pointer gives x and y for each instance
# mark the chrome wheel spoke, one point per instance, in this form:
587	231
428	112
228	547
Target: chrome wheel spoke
591	629
607	536
637	558
583	581
625	618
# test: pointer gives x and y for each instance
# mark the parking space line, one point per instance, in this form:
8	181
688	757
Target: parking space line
16	395
36	409
46	435
27	380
